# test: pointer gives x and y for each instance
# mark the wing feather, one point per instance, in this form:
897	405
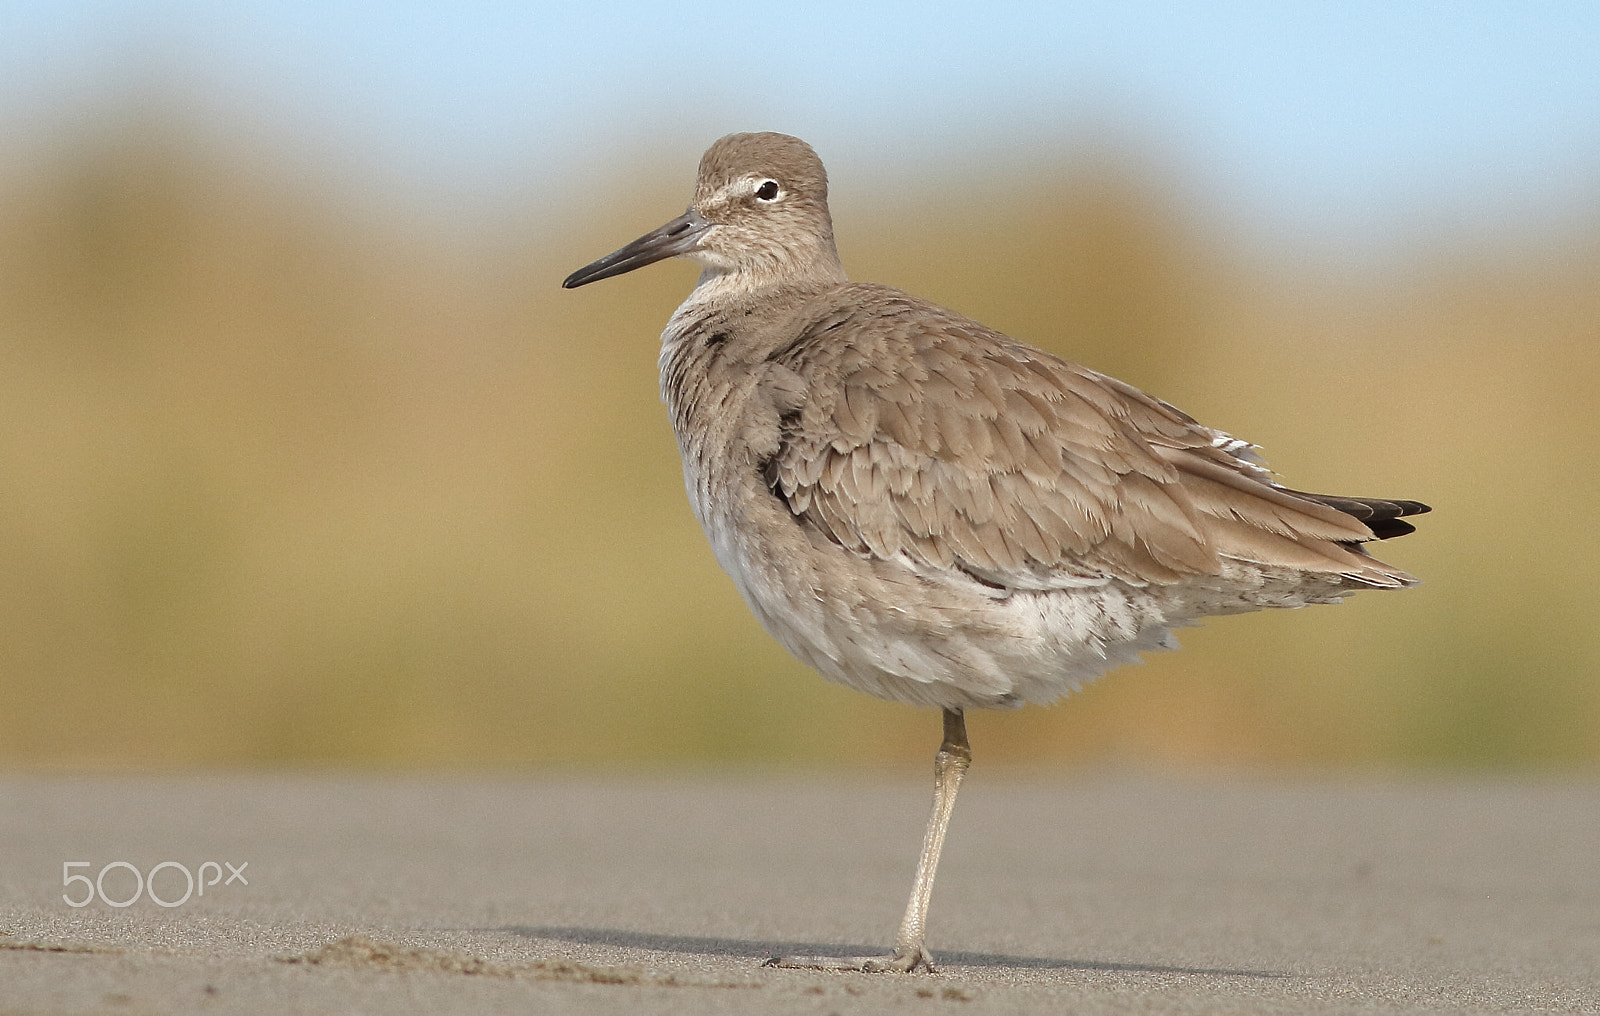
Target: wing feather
1027	471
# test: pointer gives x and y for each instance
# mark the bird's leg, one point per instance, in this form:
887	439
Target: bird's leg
955	754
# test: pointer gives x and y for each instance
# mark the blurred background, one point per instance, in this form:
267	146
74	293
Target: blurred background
306	460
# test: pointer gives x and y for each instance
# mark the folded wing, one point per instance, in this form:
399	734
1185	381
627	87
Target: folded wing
1028	472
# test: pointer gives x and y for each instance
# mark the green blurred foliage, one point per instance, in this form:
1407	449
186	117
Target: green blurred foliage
288	479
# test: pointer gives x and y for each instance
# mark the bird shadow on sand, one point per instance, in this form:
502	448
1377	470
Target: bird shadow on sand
762	950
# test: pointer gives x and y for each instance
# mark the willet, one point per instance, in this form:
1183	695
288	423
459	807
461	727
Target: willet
926	510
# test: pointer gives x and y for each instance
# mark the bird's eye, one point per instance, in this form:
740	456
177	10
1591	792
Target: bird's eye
768	191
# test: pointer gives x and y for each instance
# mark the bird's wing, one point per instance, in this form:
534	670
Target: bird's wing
925	434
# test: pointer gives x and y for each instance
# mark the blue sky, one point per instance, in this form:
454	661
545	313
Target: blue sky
1322	118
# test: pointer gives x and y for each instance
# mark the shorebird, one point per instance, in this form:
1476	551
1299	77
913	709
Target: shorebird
924	509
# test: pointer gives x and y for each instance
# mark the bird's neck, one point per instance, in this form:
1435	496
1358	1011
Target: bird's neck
808	264
737	311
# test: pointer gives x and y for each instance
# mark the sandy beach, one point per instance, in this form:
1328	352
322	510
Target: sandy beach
1084	893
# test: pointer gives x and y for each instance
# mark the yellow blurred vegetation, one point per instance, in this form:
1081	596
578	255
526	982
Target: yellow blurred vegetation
288	477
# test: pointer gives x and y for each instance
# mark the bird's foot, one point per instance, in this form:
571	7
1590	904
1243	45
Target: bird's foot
901	961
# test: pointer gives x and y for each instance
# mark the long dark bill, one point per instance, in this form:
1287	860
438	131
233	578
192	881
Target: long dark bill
680	236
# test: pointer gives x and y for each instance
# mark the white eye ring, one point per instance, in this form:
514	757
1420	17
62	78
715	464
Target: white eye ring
768	191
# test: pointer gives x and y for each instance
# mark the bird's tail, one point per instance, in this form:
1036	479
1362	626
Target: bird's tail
1384	516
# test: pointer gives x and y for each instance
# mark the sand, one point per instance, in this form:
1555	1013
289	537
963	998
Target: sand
1081	893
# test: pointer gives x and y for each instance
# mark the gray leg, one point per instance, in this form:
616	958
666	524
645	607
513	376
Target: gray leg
955	754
